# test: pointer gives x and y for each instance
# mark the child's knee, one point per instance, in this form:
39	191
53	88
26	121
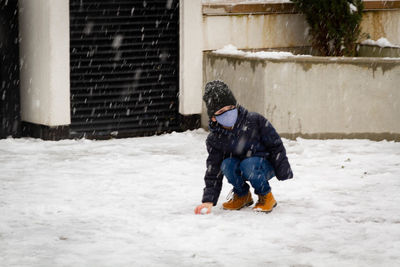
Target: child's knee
253	168
229	164
249	166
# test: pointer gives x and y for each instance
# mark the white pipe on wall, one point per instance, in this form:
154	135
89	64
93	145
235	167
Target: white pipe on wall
44	52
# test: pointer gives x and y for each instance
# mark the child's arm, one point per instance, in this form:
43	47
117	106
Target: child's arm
213	176
277	157
212	179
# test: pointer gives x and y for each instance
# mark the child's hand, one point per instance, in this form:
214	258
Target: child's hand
204	208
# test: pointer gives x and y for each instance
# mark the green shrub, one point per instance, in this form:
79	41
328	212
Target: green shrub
334	24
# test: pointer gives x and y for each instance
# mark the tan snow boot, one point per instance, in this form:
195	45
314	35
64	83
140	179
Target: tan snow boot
265	203
236	202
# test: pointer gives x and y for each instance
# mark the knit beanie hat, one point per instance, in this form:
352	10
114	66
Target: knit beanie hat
216	96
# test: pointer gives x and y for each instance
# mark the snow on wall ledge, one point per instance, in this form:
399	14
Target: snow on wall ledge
316	97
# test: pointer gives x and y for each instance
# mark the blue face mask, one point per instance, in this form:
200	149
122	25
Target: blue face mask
228	118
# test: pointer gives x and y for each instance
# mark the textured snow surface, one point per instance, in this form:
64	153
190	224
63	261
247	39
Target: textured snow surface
382	42
130	202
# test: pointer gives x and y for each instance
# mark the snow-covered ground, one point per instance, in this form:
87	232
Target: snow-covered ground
130	202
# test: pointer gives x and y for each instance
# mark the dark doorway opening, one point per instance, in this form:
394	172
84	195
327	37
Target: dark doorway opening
10	119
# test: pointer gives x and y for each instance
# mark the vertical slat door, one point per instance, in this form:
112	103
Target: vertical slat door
124	67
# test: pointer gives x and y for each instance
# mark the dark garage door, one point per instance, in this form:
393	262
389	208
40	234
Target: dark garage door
10	120
124	67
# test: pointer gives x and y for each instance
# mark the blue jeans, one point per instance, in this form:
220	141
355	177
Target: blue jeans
256	170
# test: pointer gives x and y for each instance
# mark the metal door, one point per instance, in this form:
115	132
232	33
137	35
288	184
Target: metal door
10	120
124	67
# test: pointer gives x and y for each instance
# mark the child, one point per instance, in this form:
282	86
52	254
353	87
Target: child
243	146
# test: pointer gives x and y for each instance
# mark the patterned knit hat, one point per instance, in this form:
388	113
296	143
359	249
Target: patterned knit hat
216	96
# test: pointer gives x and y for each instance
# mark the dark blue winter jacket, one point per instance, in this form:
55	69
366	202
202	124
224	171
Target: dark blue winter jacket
251	136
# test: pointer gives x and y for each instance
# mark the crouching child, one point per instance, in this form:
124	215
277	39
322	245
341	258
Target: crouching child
244	147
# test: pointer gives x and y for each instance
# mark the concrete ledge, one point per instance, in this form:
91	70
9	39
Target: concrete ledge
376	51
315	97
381	5
279	8
364	62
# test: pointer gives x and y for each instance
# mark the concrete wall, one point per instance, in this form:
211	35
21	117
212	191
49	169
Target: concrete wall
316	97
44	53
45	85
377	51
281	27
191	57
385	23
247	31
256	31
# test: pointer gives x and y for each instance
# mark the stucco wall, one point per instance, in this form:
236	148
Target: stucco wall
385	23
257	31
44	54
316	97
191	57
